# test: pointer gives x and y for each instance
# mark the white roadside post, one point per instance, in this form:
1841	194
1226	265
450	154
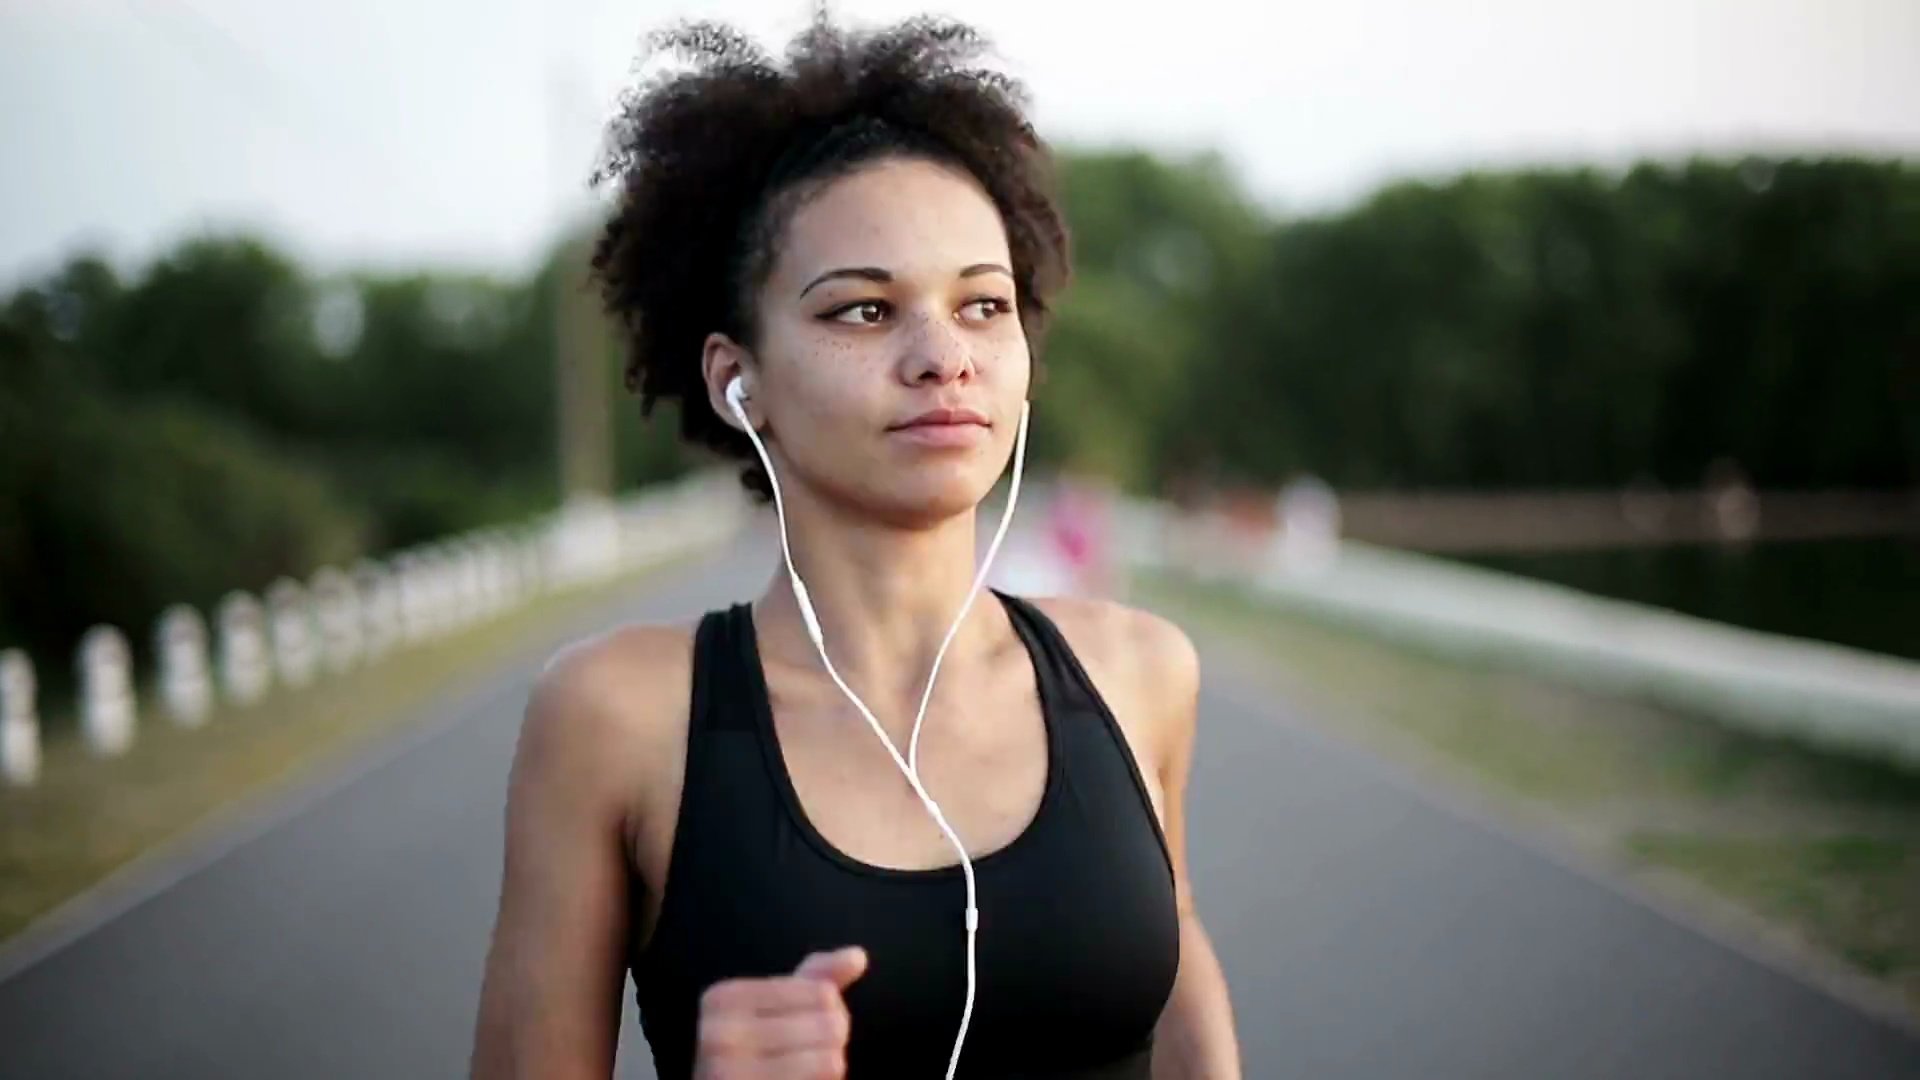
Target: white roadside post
295	655
245	672
19	722
336	608
186	681
106	690
379	592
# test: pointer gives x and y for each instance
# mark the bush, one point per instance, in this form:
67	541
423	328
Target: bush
112	511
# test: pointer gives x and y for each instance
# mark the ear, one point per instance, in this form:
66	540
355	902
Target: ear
723	359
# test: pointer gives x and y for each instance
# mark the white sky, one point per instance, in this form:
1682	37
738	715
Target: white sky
456	132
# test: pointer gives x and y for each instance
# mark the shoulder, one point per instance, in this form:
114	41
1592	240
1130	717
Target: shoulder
630	664
607	715
1156	652
1143	663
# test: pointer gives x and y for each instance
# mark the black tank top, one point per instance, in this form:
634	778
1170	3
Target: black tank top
1079	937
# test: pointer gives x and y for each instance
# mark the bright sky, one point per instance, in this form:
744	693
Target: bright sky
457	132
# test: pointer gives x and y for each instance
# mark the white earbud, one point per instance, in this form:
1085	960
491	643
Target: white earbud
736	394
737	398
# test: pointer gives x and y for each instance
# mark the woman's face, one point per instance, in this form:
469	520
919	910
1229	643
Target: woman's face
891	365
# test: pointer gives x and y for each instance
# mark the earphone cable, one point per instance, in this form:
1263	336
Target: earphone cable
909	767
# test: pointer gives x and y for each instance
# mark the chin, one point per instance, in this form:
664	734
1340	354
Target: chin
908	491
926	496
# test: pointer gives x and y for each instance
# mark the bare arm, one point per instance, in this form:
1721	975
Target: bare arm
550	997
1195	1039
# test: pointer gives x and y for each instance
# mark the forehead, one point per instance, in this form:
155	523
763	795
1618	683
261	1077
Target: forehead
911	217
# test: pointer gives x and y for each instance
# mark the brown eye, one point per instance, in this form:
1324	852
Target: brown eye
861	313
986	308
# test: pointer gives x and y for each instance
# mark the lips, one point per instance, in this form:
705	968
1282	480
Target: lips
936	418
944	429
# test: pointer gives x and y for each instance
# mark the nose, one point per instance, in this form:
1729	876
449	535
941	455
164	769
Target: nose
935	353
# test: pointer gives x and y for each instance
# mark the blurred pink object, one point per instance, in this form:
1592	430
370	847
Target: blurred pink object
1079	526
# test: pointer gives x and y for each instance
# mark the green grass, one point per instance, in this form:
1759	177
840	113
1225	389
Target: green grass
1823	845
88	816
1858	896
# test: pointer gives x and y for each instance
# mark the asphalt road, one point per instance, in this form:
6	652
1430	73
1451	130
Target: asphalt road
1366	930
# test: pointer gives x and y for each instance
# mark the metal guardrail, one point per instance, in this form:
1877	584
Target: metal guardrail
1821	694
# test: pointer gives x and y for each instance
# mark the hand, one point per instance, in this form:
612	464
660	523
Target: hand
786	1027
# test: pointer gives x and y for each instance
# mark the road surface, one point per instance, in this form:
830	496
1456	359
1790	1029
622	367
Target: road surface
1366	930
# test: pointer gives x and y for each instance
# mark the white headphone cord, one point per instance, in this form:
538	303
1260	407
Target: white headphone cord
1006	518
909	766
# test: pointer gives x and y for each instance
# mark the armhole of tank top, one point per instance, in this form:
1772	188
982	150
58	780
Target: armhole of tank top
1058	644
699	699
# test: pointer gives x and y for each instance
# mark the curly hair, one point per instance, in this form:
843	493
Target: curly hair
712	162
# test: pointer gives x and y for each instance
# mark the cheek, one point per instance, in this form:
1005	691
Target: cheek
833	381
1015	363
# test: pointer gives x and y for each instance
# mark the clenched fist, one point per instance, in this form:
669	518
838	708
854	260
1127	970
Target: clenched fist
784	1027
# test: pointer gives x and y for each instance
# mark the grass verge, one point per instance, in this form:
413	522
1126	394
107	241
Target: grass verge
1821	848
89	816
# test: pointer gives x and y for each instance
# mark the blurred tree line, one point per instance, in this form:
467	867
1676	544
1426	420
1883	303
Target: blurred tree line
1539	329
225	416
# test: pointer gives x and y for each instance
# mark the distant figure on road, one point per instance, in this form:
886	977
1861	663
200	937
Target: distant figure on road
1068	554
1309	519
1080	528
857	825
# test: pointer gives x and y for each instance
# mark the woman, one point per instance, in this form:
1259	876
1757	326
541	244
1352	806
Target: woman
816	858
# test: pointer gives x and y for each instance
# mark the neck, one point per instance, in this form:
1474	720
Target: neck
886	598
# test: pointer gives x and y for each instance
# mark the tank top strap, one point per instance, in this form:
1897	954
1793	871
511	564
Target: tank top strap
1064	684
720	652
726	807
1067	690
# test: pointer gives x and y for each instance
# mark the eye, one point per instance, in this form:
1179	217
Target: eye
986	308
860	312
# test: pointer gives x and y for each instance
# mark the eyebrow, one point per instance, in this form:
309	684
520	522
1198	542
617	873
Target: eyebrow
876	274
